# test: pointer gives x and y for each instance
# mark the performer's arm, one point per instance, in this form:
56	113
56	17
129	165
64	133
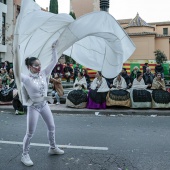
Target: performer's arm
53	62
22	78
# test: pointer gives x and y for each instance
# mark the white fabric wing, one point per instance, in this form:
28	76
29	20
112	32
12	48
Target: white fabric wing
94	40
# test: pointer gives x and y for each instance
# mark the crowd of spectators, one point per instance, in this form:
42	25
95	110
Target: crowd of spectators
100	87
95	91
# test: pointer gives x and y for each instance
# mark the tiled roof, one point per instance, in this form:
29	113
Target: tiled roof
137	22
148	33
124	21
160	23
142	33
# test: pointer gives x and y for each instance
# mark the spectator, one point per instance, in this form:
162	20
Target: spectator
11	73
133	74
6	66
109	82
87	77
77	98
144	67
8	91
76	70
17	105
68	72
158	82
139	82
159	69
118	96
3	76
119	82
57	88
97	94
80	82
58	69
148	77
126	77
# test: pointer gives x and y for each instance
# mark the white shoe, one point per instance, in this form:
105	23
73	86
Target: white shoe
55	151
57	103
25	159
16	112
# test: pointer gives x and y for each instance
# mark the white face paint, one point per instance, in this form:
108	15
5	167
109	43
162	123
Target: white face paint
36	67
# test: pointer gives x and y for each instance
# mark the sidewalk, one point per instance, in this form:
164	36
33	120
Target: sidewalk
63	109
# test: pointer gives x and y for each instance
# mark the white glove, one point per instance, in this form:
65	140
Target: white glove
54	44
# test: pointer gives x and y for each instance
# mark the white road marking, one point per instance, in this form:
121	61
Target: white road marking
61	146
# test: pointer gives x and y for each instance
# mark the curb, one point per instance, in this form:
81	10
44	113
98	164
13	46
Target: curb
63	109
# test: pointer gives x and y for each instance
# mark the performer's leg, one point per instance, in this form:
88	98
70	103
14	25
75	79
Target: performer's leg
32	118
49	120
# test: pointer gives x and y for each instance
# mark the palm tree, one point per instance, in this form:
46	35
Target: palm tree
53	6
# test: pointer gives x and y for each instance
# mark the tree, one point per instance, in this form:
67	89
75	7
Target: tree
160	57
53	6
72	14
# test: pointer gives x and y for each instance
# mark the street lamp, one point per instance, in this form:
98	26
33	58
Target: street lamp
104	5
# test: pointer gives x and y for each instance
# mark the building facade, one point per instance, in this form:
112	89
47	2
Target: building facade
9	10
3	13
147	37
82	7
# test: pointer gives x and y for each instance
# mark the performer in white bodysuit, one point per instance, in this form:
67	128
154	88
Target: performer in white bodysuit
36	85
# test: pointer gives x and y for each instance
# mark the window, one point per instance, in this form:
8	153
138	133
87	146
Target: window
3	28
165	31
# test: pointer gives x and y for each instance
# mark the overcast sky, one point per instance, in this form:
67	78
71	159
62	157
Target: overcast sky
149	10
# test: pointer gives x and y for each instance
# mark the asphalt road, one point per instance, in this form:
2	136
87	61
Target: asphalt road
133	142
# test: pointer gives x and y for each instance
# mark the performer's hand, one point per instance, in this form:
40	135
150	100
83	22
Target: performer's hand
54	45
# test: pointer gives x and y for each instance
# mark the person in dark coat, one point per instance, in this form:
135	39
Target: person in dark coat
159	69
109	82
6	66
144	67
58	69
148	77
85	73
68	72
126	77
76	70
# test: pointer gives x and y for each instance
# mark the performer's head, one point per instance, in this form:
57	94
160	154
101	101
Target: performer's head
33	64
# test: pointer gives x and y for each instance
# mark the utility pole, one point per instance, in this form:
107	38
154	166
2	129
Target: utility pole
104	5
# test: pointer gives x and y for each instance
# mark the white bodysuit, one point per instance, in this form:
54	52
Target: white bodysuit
36	86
